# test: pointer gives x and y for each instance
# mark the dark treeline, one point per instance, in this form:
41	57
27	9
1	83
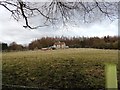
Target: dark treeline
12	47
106	42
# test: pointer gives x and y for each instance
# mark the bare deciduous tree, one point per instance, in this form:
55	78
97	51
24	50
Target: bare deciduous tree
57	10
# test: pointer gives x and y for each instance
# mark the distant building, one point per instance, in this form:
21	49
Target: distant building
60	45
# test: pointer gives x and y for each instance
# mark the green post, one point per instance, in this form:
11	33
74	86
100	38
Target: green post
111	76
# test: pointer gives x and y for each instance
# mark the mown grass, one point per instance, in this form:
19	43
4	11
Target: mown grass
67	68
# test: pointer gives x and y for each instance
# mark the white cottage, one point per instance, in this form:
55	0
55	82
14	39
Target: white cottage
59	45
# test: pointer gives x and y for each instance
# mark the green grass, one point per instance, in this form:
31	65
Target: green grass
67	68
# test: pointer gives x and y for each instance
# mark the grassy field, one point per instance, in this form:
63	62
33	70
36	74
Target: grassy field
67	68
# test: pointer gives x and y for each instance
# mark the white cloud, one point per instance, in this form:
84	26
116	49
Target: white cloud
97	29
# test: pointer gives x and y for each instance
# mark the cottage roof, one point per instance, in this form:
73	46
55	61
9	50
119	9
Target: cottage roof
59	43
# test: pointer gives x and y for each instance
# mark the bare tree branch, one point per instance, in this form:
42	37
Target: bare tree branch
57	11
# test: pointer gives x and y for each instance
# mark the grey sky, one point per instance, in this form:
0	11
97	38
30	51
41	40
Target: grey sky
11	30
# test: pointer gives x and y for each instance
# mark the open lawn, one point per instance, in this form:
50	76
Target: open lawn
66	68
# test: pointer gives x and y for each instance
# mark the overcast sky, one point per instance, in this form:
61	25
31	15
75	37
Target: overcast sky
11	30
